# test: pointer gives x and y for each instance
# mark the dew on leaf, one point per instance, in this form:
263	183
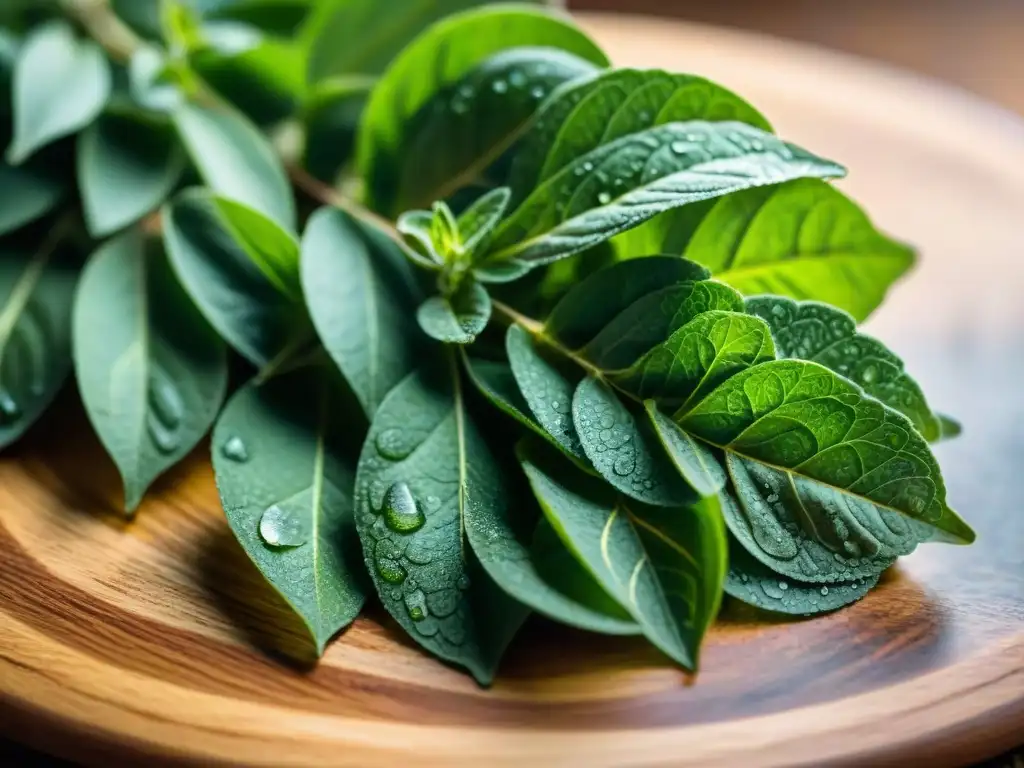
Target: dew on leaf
391	445
604	198
401	513
284	527
10	411
416	605
234	448
390	570
499	86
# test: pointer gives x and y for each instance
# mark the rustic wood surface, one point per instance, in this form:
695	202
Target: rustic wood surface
156	641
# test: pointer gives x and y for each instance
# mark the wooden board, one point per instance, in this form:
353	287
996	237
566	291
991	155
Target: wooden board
153	641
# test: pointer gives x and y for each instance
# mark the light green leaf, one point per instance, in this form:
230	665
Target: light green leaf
624	449
151	82
237	298
476	223
60	86
424	469
666	566
152	374
27	193
803	239
272	249
438	59
457	319
626	181
236	161
948	427
126	168
752	582
695	462
359	289
814	331
331	116
36	292
285	475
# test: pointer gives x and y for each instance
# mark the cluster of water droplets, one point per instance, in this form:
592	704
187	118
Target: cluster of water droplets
166	411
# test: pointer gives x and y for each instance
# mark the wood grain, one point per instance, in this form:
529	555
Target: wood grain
157	642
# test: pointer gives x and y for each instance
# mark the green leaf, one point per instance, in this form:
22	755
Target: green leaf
476	223
468	125
237	298
948	427
754	583
359	289
624	449
423	470
437	60
331	116
666	566
803	239
457	319
812	436
278	17
615	103
285	479
373	38
27	193
272	249
236	161
36	292
60	86
692	459
152	374
151	81
622	183
814	331
126	168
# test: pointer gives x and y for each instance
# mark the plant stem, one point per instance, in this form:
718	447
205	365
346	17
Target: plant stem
103	26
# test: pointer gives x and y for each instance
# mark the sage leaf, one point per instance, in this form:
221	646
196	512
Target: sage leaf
237	298
476	223
36	292
459	318
433	62
821	333
282	469
666	566
358	288
60	85
127	167
803	239
27	193
152	374
624	448
752	582
236	161
795	424
331	116
693	460
424	468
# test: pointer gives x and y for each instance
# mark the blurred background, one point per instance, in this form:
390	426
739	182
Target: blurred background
975	44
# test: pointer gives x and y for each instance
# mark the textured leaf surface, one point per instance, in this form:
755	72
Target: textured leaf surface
423	470
36	293
696	463
152	374
457	319
803	239
279	461
359	290
26	194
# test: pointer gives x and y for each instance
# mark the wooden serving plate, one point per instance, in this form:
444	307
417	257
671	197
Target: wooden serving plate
153	642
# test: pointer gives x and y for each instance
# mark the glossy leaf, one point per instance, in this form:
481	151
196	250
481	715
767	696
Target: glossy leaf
622	183
236	161
331	117
151	373
476	223
60	85
233	293
438	59
273	250
694	460
814	331
359	290
423	470
27	193
457	319
803	239
282	466
666	566
127	167
36	292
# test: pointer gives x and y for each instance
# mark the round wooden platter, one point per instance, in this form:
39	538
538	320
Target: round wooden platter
156	641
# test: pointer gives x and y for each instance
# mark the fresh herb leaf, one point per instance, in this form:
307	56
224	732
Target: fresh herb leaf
478	221
331	116
459	318
27	193
272	249
696	463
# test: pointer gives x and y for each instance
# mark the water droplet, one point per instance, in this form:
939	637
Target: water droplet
757	146
517	78
772	498
679	147
604	198
416	605
166	410
234	448
391	571
401	513
391	445
824	591
10	411
283	527
432	503
869	374
537	92
624	466
783	585
499	86
588	166
772	590
459	107
443	602
463	582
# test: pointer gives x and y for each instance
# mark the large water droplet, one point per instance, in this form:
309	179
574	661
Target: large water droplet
679	147
392	445
390	570
166	410
234	448
824	590
401	513
10	411
624	466
869	374
537	92
416	605
604	198
499	86
283	527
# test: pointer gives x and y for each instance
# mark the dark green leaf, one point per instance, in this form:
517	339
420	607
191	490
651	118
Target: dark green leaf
694	460
457	319
233	293
27	193
359	290
126	168
279	17
424	469
285	482
152	374
60	86
666	566
332	118
36	292
813	331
